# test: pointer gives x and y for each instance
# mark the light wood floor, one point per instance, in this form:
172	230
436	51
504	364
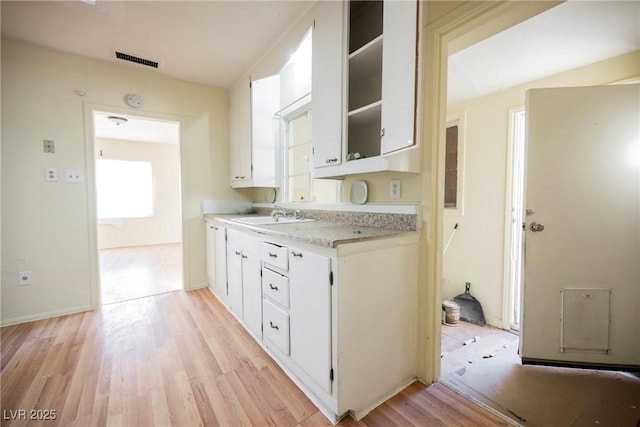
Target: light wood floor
139	271
177	359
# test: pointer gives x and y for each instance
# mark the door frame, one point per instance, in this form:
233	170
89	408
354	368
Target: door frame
457	29
510	230
90	176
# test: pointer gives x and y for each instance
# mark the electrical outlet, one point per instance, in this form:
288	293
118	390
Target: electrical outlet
51	174
395	188
73	175
24	278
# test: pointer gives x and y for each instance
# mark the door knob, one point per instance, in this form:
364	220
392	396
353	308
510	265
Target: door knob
535	227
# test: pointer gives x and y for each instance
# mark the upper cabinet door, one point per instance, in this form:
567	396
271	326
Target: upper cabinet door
265	102
326	84
240	136
399	75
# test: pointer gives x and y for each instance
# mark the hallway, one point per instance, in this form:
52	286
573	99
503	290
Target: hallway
140	271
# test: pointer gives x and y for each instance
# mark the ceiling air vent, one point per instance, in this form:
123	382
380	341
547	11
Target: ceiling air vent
137	60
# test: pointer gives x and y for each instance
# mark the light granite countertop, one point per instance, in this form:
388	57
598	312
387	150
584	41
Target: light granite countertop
323	233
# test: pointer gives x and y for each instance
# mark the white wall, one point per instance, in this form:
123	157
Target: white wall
476	253
49	228
164	226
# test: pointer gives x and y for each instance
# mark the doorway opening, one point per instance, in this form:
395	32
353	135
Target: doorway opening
514	226
138	205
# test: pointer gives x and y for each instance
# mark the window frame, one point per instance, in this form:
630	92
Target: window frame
302	106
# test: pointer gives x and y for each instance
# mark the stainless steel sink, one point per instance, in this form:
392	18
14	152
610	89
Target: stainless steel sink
265	220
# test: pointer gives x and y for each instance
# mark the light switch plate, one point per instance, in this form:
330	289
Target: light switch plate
73	176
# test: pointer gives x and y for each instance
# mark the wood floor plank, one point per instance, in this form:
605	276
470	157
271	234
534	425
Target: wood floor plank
178	359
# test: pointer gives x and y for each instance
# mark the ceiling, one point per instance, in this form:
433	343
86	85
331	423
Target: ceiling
213	42
206	42
568	36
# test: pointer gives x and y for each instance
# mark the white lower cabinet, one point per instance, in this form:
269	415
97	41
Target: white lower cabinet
244	280
217	259
341	322
234	277
310	313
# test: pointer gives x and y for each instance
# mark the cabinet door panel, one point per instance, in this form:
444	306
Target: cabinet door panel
240	135
252	294
265	102
399	74
326	84
211	256
310	314
234	272
220	250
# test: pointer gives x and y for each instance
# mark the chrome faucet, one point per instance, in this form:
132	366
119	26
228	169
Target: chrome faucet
278	212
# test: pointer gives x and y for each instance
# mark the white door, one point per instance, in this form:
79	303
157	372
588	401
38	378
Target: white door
582	245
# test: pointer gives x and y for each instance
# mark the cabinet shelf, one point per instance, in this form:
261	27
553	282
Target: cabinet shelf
365	116
366	62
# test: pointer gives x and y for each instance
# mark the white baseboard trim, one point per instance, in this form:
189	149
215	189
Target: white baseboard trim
45	315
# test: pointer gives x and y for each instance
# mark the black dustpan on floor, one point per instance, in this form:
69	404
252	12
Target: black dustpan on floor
470	308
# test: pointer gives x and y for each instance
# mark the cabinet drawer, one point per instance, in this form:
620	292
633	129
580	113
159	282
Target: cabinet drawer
275	255
275	326
275	286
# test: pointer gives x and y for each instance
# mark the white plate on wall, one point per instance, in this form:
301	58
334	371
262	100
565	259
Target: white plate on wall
270	195
358	192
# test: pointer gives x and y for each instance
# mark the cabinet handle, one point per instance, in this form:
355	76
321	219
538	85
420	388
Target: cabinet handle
331	160
242	177
244	256
272	255
275	288
381	132
237	177
216	228
273	326
238	253
296	254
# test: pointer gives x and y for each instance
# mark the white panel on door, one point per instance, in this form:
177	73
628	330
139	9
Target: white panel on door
585	319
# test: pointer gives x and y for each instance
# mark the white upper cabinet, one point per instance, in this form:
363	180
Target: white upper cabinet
326	83
379	88
399	76
265	130
240	135
254	133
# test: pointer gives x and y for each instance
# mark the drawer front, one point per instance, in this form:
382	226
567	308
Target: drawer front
277	256
275	286
275	326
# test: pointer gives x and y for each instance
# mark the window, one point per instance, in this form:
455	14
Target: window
124	189
454	165
451	168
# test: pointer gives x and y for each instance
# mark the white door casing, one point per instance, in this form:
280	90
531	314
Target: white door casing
583	186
